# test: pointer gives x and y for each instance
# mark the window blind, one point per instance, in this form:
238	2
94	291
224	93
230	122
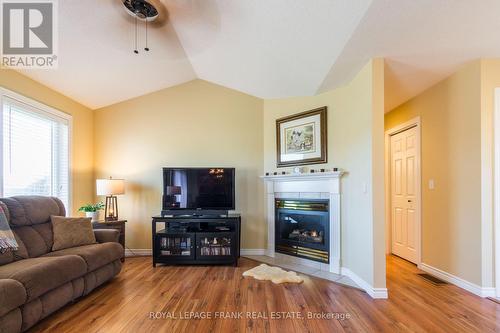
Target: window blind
35	151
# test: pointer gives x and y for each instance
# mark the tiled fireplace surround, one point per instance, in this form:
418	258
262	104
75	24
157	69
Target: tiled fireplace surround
306	186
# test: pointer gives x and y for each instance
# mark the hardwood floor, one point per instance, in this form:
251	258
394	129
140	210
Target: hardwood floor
124	305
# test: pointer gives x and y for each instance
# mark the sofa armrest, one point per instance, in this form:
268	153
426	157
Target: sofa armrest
107	235
12	295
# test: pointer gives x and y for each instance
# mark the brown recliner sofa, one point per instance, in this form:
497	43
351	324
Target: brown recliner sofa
36	281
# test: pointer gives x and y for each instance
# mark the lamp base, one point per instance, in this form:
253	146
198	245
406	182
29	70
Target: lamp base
111	210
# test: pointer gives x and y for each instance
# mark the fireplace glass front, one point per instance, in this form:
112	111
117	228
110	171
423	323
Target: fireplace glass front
302	228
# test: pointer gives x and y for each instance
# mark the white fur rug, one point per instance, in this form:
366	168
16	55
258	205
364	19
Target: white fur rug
273	274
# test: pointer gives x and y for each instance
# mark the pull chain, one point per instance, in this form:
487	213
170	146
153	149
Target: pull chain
135	50
146	48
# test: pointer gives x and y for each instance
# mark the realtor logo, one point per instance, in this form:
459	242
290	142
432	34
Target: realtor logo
29	33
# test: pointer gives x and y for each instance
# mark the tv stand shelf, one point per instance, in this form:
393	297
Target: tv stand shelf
203	239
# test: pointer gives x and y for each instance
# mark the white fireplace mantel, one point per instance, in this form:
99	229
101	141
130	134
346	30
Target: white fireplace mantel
321	185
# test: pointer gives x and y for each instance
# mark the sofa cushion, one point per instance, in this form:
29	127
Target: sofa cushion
98	277
95	255
29	219
22	250
12	295
11	322
6	258
71	231
39	275
46	304
31	209
35	240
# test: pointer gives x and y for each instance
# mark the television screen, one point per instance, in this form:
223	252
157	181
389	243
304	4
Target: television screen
198	188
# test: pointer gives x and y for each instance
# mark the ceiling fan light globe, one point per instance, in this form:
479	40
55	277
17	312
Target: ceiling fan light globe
141	9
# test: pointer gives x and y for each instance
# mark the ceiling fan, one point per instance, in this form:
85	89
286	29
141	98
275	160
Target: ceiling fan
144	11
202	18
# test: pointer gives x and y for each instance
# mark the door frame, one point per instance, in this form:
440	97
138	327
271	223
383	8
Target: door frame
496	190
415	122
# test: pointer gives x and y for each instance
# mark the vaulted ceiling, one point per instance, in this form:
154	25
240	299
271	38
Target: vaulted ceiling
267	48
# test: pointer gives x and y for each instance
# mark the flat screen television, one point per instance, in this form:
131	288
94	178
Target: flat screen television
198	190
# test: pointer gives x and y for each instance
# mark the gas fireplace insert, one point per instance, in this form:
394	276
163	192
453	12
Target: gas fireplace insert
302	228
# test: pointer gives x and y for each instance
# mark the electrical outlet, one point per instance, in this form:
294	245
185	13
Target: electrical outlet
431	184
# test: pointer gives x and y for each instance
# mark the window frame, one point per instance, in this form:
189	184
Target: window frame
46	110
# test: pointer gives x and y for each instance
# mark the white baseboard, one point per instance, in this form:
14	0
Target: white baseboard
137	252
252	252
270	253
376	293
459	282
488	292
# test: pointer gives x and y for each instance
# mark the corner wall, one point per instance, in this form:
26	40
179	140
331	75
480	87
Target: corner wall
82	161
355	144
194	124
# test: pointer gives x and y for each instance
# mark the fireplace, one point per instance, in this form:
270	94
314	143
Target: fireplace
302	228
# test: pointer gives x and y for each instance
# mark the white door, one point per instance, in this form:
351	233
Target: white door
404	188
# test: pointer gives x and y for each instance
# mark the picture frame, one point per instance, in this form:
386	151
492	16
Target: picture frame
302	138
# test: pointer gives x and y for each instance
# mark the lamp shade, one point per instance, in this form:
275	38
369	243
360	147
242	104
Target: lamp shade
110	186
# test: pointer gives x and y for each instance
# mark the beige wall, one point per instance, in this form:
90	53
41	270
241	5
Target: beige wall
194	124
82	139
355	144
450	114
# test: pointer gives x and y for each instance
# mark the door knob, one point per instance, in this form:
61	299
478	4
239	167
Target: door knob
409	200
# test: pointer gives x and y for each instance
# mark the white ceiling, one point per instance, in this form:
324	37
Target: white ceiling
423	42
268	48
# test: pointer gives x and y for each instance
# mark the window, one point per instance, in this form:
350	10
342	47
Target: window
35	149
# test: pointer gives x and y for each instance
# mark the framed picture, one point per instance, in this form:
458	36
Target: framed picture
302	138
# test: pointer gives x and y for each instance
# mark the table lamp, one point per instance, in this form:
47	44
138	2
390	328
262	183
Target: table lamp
110	188
173	192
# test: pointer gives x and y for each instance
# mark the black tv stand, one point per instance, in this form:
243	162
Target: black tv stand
190	239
